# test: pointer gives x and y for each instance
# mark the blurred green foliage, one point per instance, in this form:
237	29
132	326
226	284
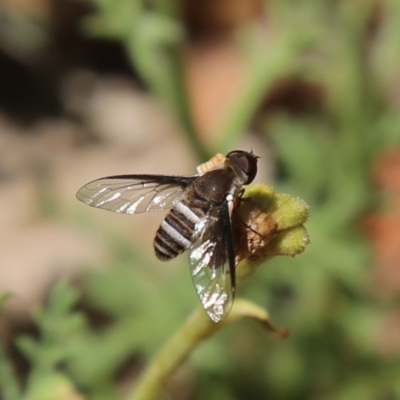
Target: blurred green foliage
324	155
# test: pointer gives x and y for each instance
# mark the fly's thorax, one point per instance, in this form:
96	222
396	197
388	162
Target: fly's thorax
213	187
175	233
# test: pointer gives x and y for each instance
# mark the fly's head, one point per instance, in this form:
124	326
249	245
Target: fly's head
244	164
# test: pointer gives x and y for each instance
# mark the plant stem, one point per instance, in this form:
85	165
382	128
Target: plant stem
196	328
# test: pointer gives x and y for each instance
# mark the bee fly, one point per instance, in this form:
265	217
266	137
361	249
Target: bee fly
201	220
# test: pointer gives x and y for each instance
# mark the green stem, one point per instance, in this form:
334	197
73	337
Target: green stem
196	328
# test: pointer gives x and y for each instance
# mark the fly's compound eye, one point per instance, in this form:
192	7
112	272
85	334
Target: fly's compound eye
246	161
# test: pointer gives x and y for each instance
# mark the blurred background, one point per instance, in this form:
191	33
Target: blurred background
101	87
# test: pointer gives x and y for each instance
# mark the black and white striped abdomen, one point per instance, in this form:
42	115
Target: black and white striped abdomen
175	232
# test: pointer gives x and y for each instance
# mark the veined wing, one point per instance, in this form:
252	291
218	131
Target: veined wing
212	263
133	194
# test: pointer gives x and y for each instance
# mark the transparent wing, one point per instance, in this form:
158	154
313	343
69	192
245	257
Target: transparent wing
133	194
212	263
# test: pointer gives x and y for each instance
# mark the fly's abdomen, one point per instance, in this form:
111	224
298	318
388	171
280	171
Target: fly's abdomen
175	232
